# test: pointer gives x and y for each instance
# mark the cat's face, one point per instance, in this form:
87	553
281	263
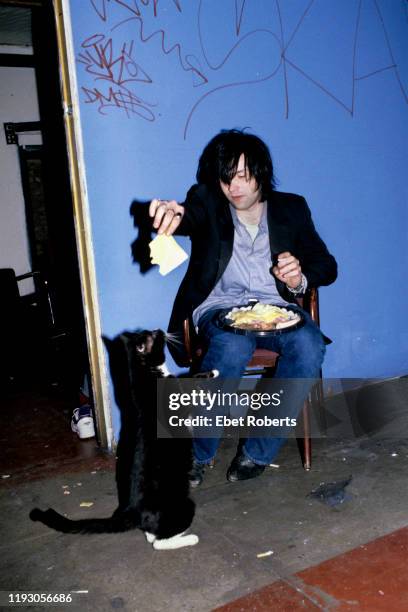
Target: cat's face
142	346
148	346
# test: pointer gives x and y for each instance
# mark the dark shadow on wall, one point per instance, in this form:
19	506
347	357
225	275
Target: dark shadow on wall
139	210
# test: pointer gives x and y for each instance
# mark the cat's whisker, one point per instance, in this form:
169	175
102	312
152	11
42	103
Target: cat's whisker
174	341
172	336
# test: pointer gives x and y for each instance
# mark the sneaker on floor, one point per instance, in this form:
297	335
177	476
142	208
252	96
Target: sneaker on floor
82	422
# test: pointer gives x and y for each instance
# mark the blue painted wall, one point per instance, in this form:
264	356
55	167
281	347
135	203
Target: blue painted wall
324	83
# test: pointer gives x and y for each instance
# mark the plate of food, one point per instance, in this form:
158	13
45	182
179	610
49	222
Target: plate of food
260	319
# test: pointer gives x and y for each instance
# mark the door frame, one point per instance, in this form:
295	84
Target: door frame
82	221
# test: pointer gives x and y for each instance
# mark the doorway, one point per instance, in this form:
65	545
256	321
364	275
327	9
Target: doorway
50	365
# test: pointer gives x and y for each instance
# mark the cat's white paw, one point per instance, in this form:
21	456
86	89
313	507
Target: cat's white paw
150	537
215	373
164	370
177	541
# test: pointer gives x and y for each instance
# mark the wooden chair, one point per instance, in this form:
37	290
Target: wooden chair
264	362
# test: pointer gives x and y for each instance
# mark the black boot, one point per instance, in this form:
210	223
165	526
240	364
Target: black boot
196	474
243	468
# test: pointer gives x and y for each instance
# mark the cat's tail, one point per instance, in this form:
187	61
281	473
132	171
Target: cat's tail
114	524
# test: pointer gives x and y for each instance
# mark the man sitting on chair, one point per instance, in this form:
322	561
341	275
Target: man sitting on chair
248	241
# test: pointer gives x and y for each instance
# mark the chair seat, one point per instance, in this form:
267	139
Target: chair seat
263	358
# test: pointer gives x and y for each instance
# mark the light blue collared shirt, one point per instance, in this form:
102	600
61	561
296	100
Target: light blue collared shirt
247	274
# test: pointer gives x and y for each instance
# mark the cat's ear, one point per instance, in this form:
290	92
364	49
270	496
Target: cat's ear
107	342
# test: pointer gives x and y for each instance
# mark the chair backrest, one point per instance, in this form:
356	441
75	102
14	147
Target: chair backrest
10	296
8	285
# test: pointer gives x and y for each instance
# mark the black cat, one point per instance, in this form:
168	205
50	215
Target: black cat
151	473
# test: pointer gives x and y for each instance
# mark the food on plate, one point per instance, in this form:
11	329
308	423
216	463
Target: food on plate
262	317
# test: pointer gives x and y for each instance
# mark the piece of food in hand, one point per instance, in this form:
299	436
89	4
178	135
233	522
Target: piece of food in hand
166	253
262	317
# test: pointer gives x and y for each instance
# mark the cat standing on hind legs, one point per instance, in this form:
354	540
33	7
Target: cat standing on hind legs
151	473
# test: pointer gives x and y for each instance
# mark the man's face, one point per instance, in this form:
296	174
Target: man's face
243	192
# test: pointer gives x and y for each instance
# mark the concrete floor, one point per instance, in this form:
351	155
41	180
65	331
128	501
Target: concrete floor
330	558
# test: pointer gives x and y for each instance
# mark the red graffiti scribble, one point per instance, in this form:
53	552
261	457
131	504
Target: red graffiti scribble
216	67
348	107
119	99
135	9
100	61
285	61
285	73
100	6
156	2
185	62
119	70
239	11
393	66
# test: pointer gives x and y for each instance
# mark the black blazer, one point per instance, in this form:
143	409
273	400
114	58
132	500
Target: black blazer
207	220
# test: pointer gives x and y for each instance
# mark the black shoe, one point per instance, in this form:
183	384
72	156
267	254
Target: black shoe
196	474
242	468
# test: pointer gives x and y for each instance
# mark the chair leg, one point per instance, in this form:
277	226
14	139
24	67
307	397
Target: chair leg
307	442
318	397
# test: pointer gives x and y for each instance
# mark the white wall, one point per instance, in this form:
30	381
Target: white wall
18	103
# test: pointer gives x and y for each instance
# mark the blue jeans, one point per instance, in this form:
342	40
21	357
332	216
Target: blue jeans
301	354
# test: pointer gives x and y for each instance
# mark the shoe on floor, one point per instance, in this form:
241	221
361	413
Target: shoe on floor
243	468
82	422
196	474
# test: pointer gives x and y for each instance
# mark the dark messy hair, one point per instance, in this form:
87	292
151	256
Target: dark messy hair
219	160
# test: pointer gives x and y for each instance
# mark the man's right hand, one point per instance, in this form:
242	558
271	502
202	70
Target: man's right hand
167	215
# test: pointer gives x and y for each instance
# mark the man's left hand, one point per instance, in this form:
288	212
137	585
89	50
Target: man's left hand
288	270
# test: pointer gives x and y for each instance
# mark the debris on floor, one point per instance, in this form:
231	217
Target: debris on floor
332	493
268	553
